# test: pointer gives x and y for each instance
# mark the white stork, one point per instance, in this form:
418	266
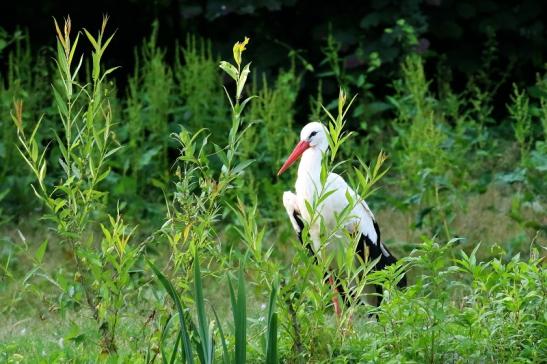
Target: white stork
312	146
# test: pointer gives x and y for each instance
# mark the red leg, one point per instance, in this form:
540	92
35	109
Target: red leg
335	301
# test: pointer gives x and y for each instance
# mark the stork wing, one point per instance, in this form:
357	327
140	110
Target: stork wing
362	219
370	244
290	203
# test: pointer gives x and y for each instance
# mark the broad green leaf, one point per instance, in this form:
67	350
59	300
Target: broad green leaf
229	69
242	80
39	255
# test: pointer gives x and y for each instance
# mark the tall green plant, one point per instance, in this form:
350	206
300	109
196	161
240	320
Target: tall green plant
358	82
520	113
529	174
204	177
75	204
426	161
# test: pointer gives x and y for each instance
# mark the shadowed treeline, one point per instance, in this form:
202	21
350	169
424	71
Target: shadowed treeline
452	35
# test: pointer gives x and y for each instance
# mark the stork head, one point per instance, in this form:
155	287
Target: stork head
313	135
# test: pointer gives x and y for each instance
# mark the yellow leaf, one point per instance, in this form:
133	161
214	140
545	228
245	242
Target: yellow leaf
187	231
238	49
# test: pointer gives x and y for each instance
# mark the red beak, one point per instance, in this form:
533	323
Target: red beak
296	153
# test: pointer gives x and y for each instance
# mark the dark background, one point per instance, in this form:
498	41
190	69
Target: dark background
454	33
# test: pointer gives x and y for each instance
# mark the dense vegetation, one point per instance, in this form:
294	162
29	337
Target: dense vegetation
144	223
449	33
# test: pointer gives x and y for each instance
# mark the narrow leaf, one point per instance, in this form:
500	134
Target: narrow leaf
188	357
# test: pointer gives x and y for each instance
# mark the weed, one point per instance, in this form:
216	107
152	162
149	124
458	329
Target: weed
75	204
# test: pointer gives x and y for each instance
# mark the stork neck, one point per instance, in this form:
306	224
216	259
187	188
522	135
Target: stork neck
309	172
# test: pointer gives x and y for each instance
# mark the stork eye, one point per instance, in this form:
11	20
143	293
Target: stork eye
313	133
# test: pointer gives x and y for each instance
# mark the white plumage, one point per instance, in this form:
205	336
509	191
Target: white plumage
312	146
308	187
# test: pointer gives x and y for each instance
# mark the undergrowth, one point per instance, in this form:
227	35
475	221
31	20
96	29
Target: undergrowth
146	225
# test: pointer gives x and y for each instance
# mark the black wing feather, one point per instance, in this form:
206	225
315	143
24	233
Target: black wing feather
300	224
374	251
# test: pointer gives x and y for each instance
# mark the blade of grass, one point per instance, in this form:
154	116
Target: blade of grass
240	317
175	348
196	340
271	342
187	357
163	333
203	327
225	354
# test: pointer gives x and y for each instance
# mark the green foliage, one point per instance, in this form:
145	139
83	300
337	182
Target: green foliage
422	157
201	188
482	311
271	337
347	80
529	175
205	329
25	72
149	104
198	86
432	156
76	203
225	247
239	312
520	113
183	332
111	272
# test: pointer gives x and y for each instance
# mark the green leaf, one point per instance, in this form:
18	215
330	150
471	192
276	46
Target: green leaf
60	102
242	80
164	331
271	350
61	60
71	55
107	43
225	354
112	151
110	70
188	357
203	325
229	98
271	342
42	174
91	39
221	154
242	166
229	69
75	334
39	255
178	340
240	317
244	103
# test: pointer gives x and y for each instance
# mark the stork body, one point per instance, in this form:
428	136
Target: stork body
312	146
